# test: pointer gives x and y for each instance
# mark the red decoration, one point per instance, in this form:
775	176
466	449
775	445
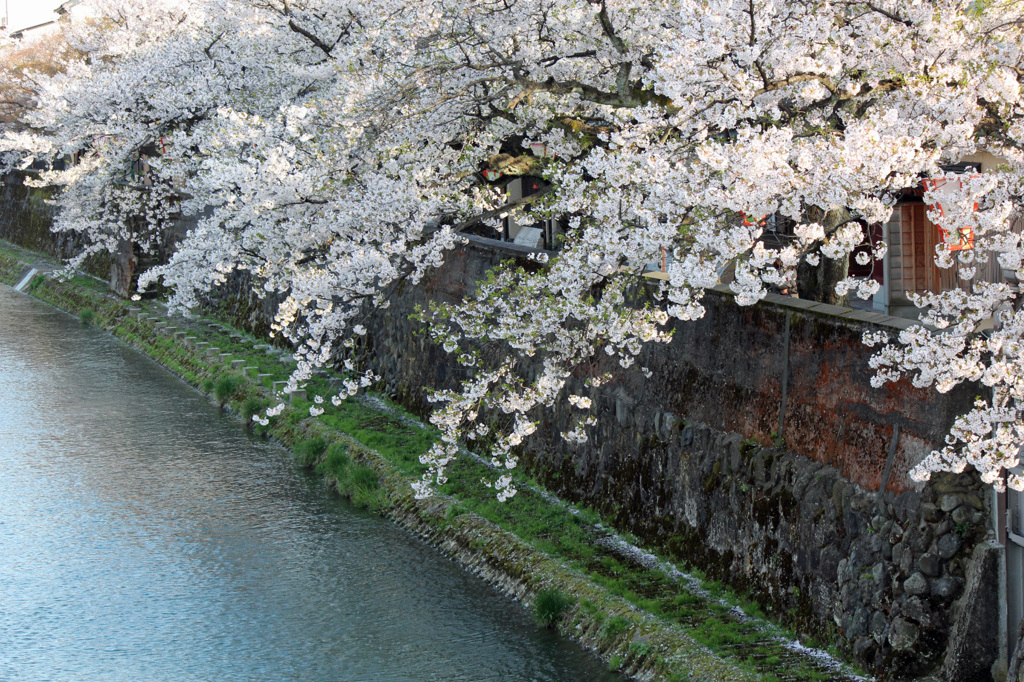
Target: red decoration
747	223
964	238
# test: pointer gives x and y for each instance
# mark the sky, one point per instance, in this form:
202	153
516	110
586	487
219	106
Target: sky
25	13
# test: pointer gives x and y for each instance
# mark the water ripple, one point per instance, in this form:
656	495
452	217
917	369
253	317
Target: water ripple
143	536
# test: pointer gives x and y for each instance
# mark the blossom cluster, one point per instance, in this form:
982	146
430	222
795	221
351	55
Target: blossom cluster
334	149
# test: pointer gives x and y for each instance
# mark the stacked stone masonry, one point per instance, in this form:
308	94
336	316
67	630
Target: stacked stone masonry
759	453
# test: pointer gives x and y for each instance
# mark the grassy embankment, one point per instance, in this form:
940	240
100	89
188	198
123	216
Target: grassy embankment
642	619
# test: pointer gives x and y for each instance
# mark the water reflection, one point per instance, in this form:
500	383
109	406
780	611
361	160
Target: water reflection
143	536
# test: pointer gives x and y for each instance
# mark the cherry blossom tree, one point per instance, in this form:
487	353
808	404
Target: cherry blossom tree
19	64
335	149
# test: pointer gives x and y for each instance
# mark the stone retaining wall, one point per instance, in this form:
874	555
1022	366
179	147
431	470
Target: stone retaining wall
25	217
759	453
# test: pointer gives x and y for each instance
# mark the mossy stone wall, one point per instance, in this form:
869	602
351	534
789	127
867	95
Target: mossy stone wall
758	452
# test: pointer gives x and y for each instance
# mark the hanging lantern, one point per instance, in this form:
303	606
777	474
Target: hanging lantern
957	240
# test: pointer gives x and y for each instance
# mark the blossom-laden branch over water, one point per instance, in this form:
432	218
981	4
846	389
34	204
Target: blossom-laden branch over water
335	149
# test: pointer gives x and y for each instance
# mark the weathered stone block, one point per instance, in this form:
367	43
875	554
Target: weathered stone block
962	515
859	623
863	648
918	539
930	565
897	553
949	544
945	485
916	584
946	588
917	610
974	640
903	634
879	626
948	503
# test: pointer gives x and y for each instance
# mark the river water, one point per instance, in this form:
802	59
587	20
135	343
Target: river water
143	536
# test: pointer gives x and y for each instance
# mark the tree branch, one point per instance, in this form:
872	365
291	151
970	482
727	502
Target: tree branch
890	15
630	99
486	215
321	45
210	46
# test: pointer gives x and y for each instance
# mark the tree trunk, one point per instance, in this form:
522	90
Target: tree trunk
122	269
818	282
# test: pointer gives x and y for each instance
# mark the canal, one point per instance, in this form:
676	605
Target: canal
144	536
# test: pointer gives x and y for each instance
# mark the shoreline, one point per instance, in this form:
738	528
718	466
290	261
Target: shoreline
632	641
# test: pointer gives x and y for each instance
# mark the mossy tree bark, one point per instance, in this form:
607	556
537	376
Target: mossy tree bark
123	266
818	282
